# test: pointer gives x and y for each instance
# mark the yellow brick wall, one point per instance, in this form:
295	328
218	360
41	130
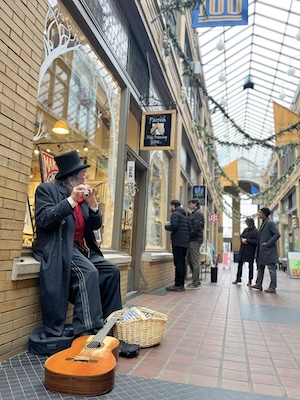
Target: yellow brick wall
156	275
21	29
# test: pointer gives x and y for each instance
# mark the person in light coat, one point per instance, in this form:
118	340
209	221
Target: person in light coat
267	254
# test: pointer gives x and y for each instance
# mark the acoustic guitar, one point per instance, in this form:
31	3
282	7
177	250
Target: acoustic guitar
86	368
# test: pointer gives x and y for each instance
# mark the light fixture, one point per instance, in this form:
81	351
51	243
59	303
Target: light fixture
220	45
248	82
282	94
60	127
222	77
223	102
291	71
248	174
36	150
85	148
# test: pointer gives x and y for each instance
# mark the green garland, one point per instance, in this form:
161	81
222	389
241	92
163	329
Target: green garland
270	193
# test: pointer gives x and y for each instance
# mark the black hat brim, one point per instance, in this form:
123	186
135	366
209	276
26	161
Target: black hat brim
71	172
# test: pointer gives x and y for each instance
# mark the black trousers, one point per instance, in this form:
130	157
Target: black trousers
240	271
179	254
94	290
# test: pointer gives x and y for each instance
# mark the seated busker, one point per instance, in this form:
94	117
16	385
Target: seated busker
72	265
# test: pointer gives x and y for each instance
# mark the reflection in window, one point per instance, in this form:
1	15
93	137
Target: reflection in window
157	200
78	88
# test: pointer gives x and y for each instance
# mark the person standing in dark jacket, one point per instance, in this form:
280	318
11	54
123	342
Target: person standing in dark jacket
196	220
72	265
267	254
247	250
180	238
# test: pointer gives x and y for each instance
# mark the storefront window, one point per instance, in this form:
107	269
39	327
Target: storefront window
157	200
78	88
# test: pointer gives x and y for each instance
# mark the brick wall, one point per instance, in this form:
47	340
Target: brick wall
21	29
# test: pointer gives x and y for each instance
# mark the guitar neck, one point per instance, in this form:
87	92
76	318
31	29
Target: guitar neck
104	331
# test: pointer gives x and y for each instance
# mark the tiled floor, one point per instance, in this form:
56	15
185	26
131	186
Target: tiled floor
222	341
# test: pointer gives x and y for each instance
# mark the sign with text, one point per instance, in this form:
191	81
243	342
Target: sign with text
158	130
199	193
293	265
220	13
130	171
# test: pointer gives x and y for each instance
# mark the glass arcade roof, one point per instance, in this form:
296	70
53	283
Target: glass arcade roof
268	50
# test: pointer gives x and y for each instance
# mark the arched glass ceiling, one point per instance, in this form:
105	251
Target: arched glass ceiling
264	49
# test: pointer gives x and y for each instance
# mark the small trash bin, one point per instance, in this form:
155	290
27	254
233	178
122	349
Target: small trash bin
235	256
214	274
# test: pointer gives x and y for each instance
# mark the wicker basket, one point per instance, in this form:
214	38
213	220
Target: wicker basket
146	327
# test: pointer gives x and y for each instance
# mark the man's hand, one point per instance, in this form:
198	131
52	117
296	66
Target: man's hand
85	191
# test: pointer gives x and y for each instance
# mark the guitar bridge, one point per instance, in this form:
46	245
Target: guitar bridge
82	359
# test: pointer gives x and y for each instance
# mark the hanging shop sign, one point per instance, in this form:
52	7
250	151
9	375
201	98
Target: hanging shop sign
199	193
158	130
220	13
258	200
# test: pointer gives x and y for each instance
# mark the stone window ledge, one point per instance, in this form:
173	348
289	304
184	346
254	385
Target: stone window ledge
27	267
149	256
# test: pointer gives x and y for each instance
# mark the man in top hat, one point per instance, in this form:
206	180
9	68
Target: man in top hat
72	265
266	254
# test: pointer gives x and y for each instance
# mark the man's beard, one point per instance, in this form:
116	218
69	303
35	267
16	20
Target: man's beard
70	182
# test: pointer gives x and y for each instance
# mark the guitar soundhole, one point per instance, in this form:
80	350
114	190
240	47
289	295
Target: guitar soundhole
93	345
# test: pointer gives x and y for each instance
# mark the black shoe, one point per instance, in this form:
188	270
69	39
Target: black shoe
174	288
237	281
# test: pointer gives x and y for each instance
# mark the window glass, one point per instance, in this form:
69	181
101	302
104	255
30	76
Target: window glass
157	200
79	89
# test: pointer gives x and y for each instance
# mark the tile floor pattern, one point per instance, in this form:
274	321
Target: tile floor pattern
222	341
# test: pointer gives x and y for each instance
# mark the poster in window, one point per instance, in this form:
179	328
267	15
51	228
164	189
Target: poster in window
48	167
28	225
158	130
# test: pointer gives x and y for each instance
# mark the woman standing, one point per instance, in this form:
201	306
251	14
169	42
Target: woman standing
247	250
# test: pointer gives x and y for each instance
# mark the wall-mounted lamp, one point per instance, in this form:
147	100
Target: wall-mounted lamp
60	127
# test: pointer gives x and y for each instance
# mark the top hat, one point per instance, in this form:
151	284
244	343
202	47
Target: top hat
69	164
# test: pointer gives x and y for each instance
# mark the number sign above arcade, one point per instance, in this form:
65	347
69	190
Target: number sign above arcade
220	13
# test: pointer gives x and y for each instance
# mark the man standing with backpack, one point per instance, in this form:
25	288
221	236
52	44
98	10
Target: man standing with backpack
197	222
180	238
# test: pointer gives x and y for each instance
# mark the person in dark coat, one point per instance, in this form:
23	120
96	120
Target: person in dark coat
72	265
247	250
180	238
267	254
196	219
